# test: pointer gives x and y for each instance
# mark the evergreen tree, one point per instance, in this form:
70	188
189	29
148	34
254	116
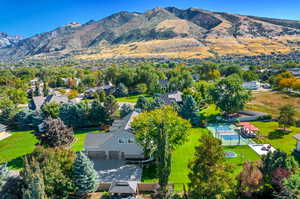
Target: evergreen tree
155	104
37	90
45	89
142	103
125	110
3	174
210	175
33	180
121	90
84	174
110	104
54	133
189	110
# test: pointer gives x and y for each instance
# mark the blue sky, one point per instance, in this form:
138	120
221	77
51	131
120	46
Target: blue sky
29	17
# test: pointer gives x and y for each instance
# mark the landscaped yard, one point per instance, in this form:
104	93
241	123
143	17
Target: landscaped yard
23	142
244	153
283	141
18	144
132	99
184	153
270	102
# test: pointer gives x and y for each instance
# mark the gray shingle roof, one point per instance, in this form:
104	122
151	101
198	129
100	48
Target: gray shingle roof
170	98
38	102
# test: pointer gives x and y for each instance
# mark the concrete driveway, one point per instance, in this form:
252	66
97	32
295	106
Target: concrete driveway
117	170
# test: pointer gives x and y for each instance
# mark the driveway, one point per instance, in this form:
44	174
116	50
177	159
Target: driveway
117	170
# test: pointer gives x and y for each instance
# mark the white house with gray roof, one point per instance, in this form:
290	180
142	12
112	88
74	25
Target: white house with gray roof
119	143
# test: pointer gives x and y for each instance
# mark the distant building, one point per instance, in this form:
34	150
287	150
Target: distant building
253	85
37	102
171	98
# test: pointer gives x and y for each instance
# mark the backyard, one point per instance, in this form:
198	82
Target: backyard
270	102
132	98
183	154
21	143
283	141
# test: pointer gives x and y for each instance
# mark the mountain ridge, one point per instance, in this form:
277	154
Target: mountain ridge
169	32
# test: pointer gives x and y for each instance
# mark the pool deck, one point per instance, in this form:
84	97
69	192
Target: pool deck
258	148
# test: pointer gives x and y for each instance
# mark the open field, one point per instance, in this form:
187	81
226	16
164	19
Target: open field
270	102
283	141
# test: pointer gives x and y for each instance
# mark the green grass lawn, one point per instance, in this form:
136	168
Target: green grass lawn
23	142
283	141
14	147
132	99
244	153
80	136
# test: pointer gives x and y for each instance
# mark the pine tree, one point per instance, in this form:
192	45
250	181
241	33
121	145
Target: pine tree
121	90
3	174
189	110
54	133
37	89
84	174
33	180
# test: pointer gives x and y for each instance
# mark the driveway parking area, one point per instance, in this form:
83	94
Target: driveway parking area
117	170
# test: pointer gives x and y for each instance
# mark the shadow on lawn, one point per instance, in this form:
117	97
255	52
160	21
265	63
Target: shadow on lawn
277	134
86	130
16	163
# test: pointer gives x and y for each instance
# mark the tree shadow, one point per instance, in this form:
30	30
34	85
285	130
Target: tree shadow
277	134
16	163
149	172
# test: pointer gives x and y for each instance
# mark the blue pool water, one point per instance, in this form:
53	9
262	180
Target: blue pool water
230	154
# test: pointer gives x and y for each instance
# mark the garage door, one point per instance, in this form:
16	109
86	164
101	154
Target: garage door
97	154
114	155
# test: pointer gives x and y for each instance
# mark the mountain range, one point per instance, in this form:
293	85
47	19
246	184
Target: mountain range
162	33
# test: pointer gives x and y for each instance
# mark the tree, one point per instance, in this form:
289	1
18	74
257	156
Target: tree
73	94
229	94
7	115
4	174
84	175
141	88
210	175
249	75
274	160
286	116
125	110
110	104
37	89
33	180
142	103
121	90
5	102
159	132
189	110
250	179
45	89
291	187
54	133
51	109
56	165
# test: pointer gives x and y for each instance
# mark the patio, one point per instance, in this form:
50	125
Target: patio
262	149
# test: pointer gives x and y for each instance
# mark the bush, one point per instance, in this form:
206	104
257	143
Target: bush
265	117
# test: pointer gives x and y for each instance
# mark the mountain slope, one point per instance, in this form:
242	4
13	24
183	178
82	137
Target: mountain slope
7	40
163	32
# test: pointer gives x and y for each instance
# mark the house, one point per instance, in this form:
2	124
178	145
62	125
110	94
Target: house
171	98
124	188
253	85
118	144
297	137
38	101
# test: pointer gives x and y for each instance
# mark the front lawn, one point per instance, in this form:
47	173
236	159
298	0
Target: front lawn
283	141
14	147
132	98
